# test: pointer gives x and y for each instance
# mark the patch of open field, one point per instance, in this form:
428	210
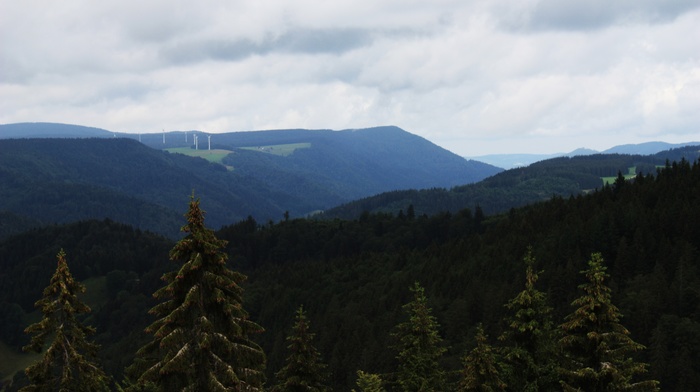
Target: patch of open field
215	155
12	361
95	291
279	149
631	173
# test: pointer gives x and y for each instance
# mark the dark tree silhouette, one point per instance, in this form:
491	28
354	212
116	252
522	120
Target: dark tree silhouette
597	346
68	363
201	339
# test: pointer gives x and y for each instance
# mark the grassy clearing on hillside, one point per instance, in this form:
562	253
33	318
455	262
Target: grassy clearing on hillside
631	173
12	361
95	291
215	155
279	149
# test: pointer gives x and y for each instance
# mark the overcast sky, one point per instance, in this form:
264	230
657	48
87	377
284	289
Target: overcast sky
475	77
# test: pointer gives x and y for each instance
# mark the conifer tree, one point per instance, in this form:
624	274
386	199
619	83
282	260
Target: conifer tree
529	352
368	382
480	372
304	370
420	347
596	345
201	339
68	363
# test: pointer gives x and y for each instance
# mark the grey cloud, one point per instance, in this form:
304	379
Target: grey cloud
596	14
299	41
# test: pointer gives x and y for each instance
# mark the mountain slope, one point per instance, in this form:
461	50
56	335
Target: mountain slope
539	181
63	180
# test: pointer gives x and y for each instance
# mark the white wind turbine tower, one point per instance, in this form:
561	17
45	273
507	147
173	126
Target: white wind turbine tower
196	142
164	136
209	138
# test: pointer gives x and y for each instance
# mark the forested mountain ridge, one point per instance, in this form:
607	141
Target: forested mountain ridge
385	157
352	276
539	181
64	180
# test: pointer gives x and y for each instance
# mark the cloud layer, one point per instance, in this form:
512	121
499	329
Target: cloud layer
475	77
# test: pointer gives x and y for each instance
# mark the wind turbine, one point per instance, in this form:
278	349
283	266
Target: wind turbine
209	137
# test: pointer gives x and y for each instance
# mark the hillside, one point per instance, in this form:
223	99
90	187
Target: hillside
66	179
563	176
352	276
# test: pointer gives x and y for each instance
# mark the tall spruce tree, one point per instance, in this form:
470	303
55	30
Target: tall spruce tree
596	345
69	361
304	370
529	350
481	370
420	347
201	339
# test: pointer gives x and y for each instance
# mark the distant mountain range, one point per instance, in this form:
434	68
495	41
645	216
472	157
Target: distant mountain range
510	161
57	173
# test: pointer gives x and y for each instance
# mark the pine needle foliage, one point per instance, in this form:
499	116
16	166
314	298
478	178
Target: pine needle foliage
369	382
529	351
598	348
304	370
68	363
481	369
201	338
420	347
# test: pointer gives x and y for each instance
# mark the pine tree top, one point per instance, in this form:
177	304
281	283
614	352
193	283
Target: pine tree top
201	339
597	346
420	346
304	369
480	372
67	363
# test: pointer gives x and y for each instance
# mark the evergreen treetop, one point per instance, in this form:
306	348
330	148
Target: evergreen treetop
201	339
68	363
481	369
529	350
420	347
598	348
368	382
304	370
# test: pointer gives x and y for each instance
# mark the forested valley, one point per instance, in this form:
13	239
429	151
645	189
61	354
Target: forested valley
501	299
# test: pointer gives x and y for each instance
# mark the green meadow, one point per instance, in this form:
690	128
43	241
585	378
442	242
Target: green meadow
279	149
210	155
631	173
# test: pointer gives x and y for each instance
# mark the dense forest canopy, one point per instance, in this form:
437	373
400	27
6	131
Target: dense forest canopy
353	276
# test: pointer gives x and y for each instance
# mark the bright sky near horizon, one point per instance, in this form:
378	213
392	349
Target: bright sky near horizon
473	76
